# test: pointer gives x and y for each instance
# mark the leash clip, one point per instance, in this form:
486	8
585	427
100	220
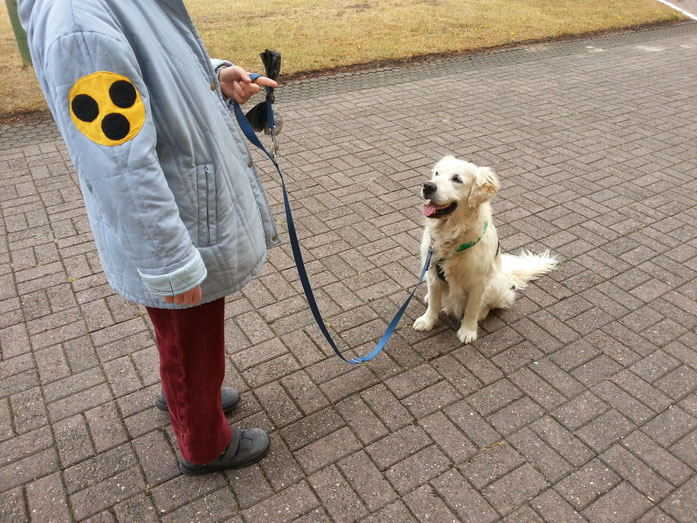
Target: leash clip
274	141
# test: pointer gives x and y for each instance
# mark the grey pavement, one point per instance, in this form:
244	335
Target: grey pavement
577	404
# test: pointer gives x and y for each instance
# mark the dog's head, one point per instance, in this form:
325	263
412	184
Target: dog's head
457	184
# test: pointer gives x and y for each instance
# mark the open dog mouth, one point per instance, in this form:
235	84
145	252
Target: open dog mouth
431	210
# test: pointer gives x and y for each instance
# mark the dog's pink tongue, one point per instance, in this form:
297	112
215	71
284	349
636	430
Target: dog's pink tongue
428	209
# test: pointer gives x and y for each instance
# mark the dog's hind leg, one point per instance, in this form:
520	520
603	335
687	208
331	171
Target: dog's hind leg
468	328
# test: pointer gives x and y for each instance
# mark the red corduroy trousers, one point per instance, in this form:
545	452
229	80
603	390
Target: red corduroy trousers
192	367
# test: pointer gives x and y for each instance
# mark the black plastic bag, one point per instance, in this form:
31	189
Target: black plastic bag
257	115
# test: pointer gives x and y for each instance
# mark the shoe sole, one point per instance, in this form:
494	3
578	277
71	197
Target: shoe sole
219	468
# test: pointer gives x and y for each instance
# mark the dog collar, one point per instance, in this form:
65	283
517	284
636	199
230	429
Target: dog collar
467	245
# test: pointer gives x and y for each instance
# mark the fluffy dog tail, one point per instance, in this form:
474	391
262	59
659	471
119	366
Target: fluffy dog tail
526	266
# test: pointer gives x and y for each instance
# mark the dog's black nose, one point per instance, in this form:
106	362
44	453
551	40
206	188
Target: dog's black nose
428	189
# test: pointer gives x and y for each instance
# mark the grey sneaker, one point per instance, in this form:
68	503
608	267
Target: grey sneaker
228	395
251	446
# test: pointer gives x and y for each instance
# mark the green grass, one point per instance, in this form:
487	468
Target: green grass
322	35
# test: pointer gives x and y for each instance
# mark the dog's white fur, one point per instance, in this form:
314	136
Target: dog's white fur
478	279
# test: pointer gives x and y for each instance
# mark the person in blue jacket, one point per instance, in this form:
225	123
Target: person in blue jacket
178	213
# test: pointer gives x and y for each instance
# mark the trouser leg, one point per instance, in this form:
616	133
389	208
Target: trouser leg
192	367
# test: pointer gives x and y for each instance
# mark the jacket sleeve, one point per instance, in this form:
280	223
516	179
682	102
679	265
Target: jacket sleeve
103	110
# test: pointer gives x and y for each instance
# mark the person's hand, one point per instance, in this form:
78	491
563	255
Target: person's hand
235	83
191	297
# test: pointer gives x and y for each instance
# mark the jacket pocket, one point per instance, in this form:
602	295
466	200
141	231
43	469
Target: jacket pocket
207	191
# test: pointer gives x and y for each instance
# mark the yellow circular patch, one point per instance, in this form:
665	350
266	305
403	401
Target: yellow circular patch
107	108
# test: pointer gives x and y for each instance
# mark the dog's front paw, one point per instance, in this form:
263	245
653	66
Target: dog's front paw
466	334
424	323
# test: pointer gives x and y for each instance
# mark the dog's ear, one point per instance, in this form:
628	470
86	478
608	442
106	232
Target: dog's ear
485	185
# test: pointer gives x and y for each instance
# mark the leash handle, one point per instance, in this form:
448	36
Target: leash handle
297	254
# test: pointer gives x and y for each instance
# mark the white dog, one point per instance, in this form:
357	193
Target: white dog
468	276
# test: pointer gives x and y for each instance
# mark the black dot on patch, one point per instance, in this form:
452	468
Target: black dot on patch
122	93
115	126
85	107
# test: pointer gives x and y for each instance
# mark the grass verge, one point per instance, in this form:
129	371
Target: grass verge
325	35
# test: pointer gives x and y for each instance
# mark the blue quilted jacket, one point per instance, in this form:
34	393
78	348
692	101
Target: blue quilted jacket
172	195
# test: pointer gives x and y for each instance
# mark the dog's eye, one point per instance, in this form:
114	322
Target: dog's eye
456	179
436	173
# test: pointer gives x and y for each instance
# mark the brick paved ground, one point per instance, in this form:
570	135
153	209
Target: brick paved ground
579	403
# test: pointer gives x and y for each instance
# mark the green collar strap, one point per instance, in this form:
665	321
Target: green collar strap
467	245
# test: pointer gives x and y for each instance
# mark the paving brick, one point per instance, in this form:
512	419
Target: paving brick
537	389
654	366
98	468
337	496
515	416
417	469
387	407
567	444
137	508
472	424
636	411
277	404
587	484
52	364
494	397
461	498
516	357
285	505
28	410
460	378
655	515
28	469
311	428
249	485
73	440
678	383
447	436
327	450
557	378
425	504
305	393
412	381
623	503
6	430
105	426
479	365
364	423
280	466
79	402
664	463
257	354
216	505
514	489
395	513
46	499
155	455
490	464
180	490
353	381
636	472
669	426
681	504
540	455
641	390
605	430
13	505
553	507
398	446
367	480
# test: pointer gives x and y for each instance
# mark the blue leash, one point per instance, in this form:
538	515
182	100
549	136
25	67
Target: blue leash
295	245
